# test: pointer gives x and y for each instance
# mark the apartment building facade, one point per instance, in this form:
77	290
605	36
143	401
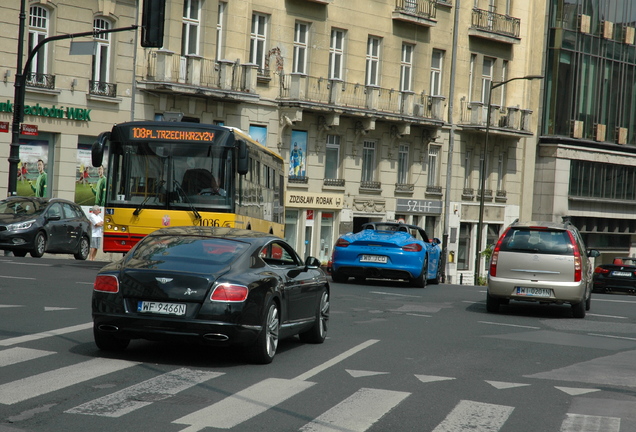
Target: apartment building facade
379	106
586	156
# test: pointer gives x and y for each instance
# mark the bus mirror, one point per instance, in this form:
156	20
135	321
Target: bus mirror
97	151
243	160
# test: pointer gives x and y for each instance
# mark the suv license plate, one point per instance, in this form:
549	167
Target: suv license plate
373	259
161	308
534	292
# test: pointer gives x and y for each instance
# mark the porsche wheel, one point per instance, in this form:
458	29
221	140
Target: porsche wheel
420	281
318	332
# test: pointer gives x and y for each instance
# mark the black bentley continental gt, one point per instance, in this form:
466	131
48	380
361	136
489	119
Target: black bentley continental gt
213	286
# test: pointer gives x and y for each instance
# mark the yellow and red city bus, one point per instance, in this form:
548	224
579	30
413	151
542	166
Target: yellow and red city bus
163	174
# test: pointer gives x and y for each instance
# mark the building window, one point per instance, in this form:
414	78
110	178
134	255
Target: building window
501	167
471	75
463	246
403	164
486	78
368	161
332	157
220	30
190	28
257	40
406	66
433	156
336	53
504	77
436	72
101	58
38	30
468	169
373	61
301	32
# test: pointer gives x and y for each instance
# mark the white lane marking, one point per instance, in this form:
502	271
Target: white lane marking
18	355
607	316
572	391
17	277
394	294
36	385
611	336
613	301
500	385
53	308
588	423
335	360
25	263
419	315
36	336
10	306
85	283
243	405
432	378
139	395
358	412
510	325
475	416
363	373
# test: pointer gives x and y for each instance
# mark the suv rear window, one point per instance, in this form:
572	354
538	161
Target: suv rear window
543	241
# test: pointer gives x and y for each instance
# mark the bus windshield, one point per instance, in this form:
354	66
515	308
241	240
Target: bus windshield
161	174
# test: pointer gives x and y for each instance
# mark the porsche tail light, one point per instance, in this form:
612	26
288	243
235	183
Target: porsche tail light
413	247
106	283
578	265
495	255
229	293
601	270
342	243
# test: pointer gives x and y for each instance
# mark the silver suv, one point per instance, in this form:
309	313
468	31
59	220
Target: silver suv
543	262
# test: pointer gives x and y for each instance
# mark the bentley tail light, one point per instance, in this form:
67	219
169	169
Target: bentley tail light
413	247
229	293
106	283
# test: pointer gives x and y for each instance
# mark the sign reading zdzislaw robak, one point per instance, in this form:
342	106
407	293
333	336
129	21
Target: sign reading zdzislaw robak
313	200
418	206
70	113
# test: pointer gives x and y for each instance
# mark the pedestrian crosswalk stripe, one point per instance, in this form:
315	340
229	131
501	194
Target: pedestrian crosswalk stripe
36	385
358	412
588	423
244	405
475	416
18	355
145	393
36	336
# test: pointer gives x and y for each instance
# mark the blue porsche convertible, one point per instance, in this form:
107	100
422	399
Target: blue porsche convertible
387	250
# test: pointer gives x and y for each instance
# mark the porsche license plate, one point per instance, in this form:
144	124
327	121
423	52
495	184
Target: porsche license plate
374	259
534	292
161	308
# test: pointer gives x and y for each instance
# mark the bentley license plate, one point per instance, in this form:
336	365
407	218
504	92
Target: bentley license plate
161	308
373	259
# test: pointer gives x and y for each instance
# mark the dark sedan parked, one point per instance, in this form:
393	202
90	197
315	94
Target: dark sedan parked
620	276
214	286
39	225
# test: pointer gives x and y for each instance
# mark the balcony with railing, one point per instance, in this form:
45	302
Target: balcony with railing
494	26
331	95
512	120
420	12
40	80
100	88
169	72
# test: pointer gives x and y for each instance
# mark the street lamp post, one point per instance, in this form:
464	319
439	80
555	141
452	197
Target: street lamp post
482	175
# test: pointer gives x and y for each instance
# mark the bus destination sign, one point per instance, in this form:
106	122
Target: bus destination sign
156	133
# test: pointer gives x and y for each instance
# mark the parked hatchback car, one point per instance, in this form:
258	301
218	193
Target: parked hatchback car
211	286
42	225
387	250
542	262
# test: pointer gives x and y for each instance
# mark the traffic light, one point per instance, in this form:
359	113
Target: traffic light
152	22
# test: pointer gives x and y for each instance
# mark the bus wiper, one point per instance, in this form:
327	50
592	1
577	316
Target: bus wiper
143	203
185	198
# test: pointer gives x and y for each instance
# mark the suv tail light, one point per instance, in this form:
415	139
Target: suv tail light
495	255
578	265
106	283
413	247
229	293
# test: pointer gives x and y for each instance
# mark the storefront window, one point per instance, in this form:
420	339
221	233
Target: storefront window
463	248
326	237
291	227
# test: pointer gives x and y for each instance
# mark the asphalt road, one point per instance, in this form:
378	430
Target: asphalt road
396	359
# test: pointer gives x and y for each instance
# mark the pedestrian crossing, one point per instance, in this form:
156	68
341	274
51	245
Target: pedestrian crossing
362	410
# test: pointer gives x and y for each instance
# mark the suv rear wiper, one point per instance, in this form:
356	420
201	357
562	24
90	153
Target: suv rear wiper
185	198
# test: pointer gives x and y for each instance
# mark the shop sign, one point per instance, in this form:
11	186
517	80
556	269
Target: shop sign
313	200
28	129
70	113
418	206
4	126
